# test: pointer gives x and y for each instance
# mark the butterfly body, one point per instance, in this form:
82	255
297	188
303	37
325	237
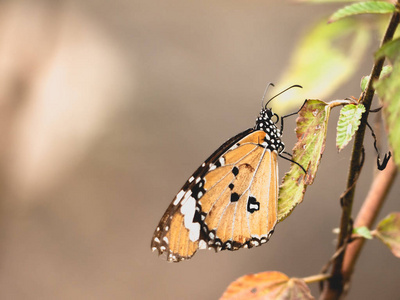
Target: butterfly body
230	201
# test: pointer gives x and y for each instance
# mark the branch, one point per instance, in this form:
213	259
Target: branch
334	286
367	215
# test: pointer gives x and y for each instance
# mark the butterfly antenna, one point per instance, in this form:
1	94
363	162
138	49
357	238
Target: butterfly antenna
295	85
265	92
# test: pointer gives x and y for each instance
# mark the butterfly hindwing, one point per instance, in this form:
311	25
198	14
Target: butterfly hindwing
228	203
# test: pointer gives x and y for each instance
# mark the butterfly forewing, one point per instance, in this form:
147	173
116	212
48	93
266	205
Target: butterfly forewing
228	203
181	246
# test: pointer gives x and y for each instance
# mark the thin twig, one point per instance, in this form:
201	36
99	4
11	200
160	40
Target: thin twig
316	278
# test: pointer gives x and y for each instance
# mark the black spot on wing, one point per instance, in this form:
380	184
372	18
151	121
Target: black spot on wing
234	197
217	164
198	190
252	205
235	171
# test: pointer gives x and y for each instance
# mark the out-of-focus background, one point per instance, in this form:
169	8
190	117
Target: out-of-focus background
106	109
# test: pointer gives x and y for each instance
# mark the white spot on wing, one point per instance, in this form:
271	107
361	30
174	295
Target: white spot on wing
191	179
255	243
188	209
253	206
179	197
187	196
202	244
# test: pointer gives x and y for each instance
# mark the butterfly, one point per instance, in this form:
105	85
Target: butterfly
231	200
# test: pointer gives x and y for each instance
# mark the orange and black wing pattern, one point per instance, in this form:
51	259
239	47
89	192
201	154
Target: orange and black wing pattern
230	202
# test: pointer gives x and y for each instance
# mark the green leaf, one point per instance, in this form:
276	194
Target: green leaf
324	59
349	120
370	7
363	231
364	81
390	49
388	231
388	89
311	129
267	285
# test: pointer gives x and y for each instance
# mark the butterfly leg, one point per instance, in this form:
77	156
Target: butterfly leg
291	160
287	153
375	110
381	166
291	114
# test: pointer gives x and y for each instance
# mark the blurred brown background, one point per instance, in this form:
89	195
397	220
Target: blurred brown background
106	109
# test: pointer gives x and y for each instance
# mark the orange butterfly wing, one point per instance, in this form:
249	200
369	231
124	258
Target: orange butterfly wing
230	202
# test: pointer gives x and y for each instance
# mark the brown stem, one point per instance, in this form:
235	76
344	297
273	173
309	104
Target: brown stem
367	215
333	288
